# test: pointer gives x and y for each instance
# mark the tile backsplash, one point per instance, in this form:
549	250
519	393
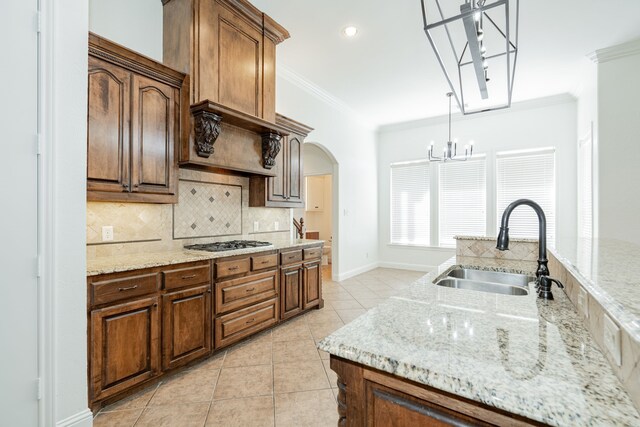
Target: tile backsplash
211	207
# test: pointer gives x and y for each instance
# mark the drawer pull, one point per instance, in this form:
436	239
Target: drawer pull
233	268
250	321
130	288
191	276
264	262
251	289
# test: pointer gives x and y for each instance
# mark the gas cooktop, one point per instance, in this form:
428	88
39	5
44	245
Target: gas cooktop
227	246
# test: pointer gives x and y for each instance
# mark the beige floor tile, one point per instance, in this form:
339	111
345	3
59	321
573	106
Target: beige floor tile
299	376
136	401
333	377
324	315
213	362
371	302
247	412
184	415
363	293
125	418
192	386
323	355
292	331
249	354
246	381
261	337
337	296
337	305
306	409
386	293
293	351
321	330
350	314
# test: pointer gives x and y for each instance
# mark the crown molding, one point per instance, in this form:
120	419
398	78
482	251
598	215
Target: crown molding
547	101
320	94
615	52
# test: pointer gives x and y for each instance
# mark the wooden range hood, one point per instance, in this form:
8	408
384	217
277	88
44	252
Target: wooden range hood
228	48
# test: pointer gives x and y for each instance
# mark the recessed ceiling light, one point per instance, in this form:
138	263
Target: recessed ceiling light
350	31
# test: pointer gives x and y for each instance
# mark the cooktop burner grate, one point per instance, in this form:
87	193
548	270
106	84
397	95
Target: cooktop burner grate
227	246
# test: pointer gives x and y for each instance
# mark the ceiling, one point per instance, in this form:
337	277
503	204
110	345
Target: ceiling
388	73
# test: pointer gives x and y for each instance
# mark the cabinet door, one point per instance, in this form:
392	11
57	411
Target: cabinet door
277	185
108	127
294	174
312	279
186	326
124	346
153	117
290	291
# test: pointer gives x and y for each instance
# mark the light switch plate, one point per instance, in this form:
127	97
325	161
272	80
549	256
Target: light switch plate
256	226
612	339
107	233
583	302
276	225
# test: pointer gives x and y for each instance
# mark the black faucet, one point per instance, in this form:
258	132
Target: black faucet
543	281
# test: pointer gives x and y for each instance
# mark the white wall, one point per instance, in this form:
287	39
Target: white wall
135	24
316	162
547	122
619	147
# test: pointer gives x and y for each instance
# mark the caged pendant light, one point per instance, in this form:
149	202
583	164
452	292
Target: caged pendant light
475	43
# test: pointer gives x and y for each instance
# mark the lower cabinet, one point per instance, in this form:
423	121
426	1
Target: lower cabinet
291	279
312	280
124	346
186	326
239	324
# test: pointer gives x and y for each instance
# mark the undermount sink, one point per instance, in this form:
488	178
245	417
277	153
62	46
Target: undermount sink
488	281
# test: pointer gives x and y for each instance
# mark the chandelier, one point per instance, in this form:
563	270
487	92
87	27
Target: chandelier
450	150
477	41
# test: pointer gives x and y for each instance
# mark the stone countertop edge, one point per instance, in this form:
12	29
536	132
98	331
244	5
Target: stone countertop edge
616	310
375	339
129	262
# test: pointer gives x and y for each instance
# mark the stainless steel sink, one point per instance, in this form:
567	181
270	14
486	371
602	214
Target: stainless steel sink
492	276
475	285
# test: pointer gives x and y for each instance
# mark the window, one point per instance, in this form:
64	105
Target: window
531	175
462	196
410	203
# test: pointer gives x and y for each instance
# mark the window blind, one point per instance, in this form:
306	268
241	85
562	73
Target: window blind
410	203
528	175
462	199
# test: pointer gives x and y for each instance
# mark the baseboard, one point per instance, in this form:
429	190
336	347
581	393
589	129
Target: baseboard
403	266
349	274
81	419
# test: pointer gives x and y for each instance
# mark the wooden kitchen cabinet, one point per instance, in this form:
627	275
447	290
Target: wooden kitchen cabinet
291	280
124	346
286	189
186	326
134	125
312	281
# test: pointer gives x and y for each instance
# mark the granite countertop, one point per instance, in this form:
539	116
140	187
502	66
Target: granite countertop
610	271
118	263
517	353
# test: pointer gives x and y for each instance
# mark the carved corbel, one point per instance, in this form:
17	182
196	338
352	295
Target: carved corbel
270	149
206	131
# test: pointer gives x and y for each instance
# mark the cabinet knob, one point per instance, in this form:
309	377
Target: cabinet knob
125	186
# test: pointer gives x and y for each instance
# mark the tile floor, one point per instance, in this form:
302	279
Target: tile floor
277	378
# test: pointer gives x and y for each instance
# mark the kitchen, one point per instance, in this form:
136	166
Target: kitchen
367	148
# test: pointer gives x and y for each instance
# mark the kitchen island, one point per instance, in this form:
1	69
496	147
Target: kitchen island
440	355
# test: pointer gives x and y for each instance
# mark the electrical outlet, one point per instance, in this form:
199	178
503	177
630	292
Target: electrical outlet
256	226
583	303
612	339
107	233
276	225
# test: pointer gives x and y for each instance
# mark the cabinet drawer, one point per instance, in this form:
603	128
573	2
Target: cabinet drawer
181	277
261	262
234	326
312	253
290	257
231	268
124	288
238	293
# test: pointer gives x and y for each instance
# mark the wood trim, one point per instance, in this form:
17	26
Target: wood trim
292	126
239	119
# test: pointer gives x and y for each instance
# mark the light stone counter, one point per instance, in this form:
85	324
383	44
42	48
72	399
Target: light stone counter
118	263
517	353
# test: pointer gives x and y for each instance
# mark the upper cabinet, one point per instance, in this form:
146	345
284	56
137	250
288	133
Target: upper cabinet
134	125
228	47
286	188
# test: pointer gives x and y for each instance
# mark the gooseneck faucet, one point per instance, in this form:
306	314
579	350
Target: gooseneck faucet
543	281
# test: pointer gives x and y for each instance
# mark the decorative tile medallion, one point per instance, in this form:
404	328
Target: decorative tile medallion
206	210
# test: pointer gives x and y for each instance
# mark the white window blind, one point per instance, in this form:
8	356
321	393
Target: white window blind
462	199
410	203
527	175
585	187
